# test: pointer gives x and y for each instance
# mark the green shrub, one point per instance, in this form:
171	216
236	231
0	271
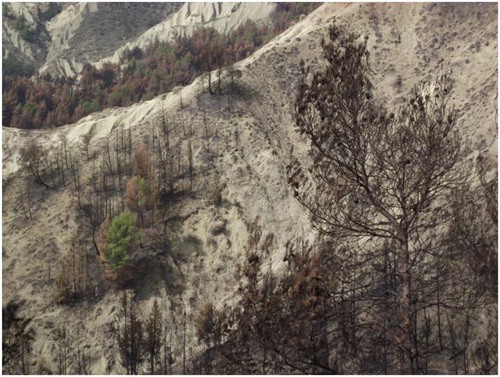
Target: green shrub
6	10
12	67
122	234
53	9
28	33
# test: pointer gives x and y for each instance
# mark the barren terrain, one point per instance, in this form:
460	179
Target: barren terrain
247	139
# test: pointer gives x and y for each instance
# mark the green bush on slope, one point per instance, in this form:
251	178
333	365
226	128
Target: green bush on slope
122	234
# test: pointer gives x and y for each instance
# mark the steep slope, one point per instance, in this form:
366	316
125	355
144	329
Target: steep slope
247	140
58	38
86	32
28	46
79	33
223	17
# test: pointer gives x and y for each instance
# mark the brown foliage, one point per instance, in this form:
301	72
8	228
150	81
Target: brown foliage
143	163
102	237
280	323
208	325
214	190
138	197
142	187
49	102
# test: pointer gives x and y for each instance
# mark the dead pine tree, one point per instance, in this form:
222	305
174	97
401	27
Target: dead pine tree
158	158
34	157
108	162
190	163
179	160
118	161
377	174
153	334
77	181
164	126
129	151
17	338
164	154
82	359
201	106
86	145
183	340
167	359
66	152
104	187
162	166
63	346
59	163
26	201
180	110
128	330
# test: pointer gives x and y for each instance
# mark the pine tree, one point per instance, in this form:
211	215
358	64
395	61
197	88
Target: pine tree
376	174
121	236
153	331
34	157
129	334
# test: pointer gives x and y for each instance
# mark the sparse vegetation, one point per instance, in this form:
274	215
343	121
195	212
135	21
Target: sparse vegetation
17	338
34	157
153	337
128	330
28	32
157	69
399	275
214	192
73	279
12	67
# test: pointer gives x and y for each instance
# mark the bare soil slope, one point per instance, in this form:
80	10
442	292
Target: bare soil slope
69	35
248	142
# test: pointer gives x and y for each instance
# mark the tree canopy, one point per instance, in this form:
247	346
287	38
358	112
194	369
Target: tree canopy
122	234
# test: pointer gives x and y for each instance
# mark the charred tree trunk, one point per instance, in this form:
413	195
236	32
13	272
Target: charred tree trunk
404	309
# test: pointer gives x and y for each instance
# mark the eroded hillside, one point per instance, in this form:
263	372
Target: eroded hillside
59	38
241	141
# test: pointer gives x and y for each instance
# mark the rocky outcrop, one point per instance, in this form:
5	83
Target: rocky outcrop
32	52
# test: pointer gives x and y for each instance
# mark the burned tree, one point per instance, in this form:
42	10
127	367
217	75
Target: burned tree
139	198
153	331
129	334
73	280
17	338
34	157
63	346
376	175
